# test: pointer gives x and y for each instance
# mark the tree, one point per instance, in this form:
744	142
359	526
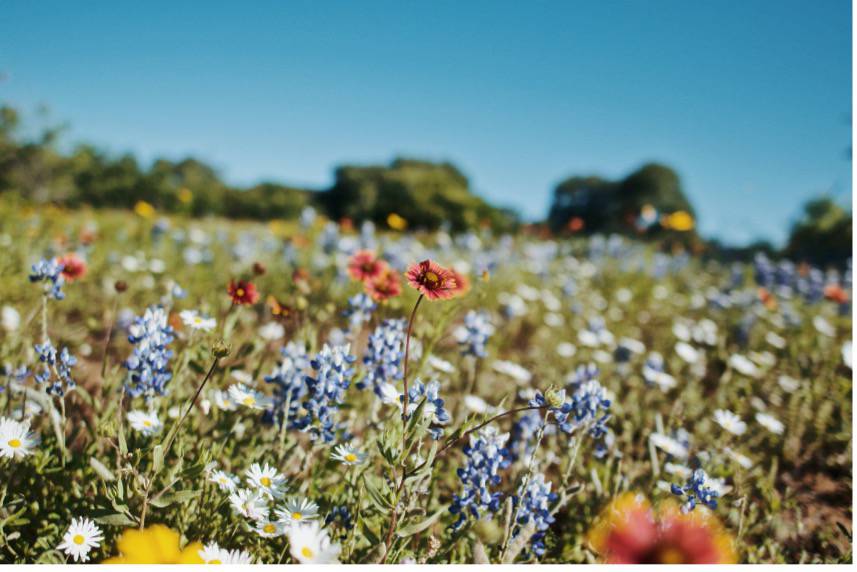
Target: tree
823	235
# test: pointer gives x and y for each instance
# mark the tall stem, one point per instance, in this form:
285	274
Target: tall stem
407	354
174	431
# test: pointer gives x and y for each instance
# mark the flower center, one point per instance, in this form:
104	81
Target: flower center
269	528
14	443
78	539
215	561
432	277
297	515
266	482
249	400
147	423
670	555
350	457
239	292
306	552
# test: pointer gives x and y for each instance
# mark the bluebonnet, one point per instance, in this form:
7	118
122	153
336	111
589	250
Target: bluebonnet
56	368
588	409
360	308
340	514
49	272
533	505
19	374
486	456
434	404
474	334
696	491
149	363
383	357
524	431
326	390
289	386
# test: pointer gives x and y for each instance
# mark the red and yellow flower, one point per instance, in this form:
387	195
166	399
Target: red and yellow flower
432	280
242	292
365	266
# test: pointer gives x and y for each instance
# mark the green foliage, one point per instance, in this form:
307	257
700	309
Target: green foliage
823	235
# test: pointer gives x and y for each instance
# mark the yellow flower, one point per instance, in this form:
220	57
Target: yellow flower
144	209
396	222
681	221
185	195
154	545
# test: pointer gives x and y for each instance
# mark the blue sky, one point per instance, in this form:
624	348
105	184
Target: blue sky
749	100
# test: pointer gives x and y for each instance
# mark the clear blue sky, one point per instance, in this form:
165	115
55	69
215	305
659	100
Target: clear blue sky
748	99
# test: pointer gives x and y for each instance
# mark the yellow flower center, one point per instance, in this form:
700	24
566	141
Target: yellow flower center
269	528
432	277
215	561
297	515
306	552
14	443
266	482
78	539
249	400
147	423
350	457
671	555
239	292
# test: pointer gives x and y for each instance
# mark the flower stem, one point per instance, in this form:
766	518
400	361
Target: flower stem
407	354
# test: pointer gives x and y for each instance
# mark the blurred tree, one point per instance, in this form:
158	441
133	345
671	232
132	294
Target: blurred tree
823	235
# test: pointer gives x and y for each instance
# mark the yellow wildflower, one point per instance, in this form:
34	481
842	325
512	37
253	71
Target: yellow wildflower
156	544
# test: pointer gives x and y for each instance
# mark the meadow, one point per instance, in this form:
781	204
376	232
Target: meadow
184	390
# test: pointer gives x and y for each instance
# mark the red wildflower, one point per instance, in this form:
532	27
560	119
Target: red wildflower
629	532
242	292
462	283
365	266
836	293
385	286
73	267
432	280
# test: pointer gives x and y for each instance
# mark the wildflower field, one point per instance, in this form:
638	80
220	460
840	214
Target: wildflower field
179	390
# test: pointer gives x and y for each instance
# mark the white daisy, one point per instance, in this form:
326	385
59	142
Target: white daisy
270	529
242	376
222	400
272	331
513	370
267	479
823	326
680	471
224	480
212	553
82	536
742	460
743	365
730	421
566	350
309	544
476	404
16	439
146	423
390	395
249	504
348	455
297	510
846	353
668	445
196	321
775	340
788	384
687	352
243	395
10	319
440	364
770	423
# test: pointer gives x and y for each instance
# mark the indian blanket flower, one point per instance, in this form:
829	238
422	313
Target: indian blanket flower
73	266
432	280
288	381
81	537
364	266
383	357
242	292
56	368
534	506
149	364
629	531
310	544
385	286
696	490
49	272
16	439
156	544
486	455
326	391
474	334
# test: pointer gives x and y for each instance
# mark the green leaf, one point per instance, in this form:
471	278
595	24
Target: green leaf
158	456
115	519
377	497
167	499
418	527
102	470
